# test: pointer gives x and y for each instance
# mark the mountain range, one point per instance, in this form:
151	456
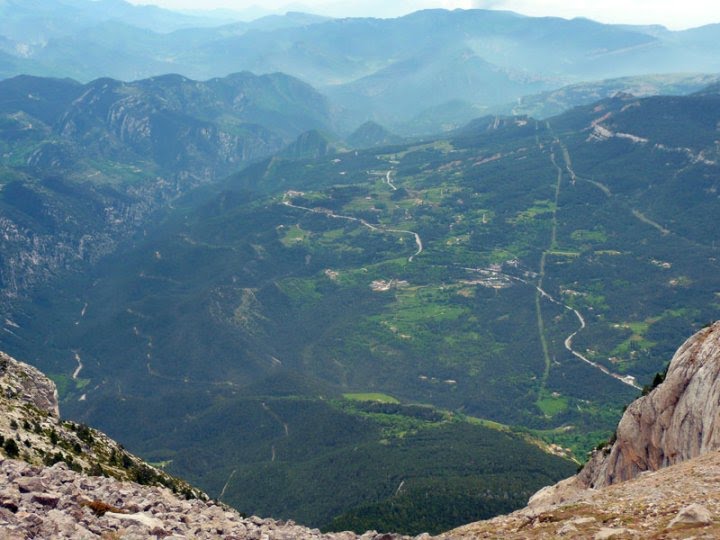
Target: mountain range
387	70
84	165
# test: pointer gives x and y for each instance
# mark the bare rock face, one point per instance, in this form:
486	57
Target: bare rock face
28	385
677	421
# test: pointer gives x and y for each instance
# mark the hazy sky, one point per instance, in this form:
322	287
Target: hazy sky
674	14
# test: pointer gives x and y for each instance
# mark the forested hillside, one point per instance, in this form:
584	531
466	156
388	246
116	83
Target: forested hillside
531	273
86	166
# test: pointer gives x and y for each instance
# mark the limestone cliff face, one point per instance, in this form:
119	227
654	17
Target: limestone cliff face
677	421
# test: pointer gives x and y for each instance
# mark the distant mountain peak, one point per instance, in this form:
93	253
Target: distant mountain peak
710	90
371	134
312	144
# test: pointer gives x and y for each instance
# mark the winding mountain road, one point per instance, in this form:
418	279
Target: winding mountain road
388	180
287	201
227	483
568	167
542	293
286	429
625	379
79	367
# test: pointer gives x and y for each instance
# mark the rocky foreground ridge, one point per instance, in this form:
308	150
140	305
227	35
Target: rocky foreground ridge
681	501
55	502
31	430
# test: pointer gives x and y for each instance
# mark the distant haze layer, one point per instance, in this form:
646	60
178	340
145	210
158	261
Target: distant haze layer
672	14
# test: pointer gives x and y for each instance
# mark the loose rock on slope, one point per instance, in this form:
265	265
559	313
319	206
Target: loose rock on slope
30	422
646	507
55	502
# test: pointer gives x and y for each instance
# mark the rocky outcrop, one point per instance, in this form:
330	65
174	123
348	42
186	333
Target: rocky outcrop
28	385
677	421
31	430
